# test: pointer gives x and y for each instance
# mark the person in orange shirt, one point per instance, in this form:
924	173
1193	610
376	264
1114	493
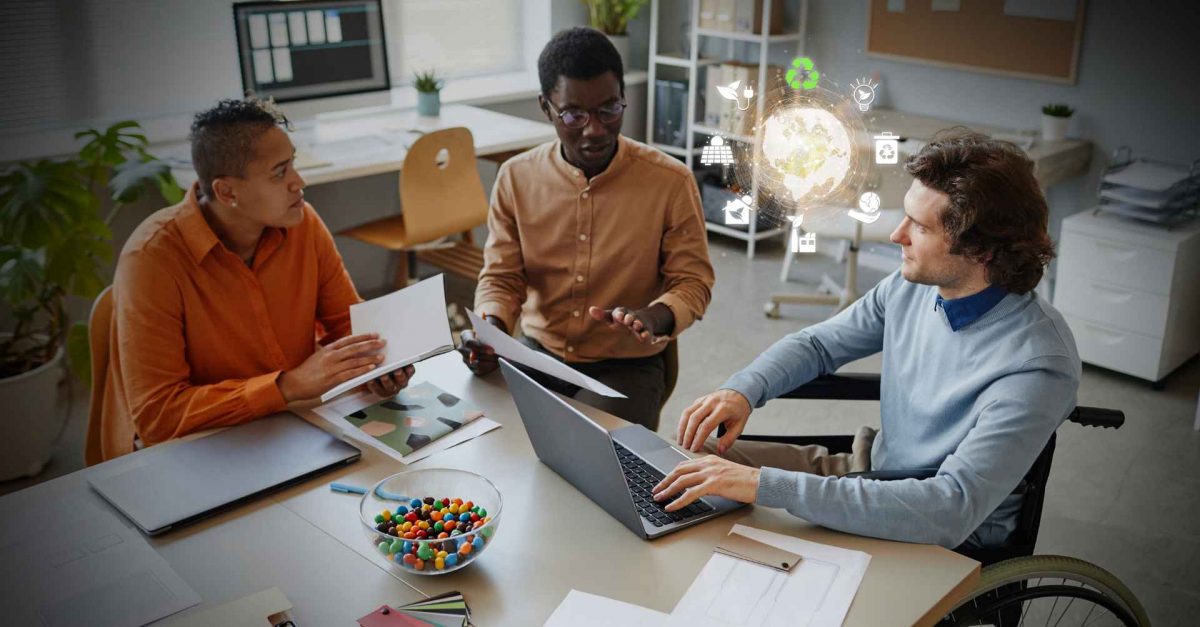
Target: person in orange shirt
597	241
235	302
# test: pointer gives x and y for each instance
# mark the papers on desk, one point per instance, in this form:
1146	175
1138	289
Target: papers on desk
732	592
412	320
514	351
72	563
336	412
261	609
581	609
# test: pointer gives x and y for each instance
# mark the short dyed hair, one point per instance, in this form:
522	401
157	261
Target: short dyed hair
997	213
578	53
223	137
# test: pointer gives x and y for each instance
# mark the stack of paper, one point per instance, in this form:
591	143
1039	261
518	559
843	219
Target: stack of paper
1147	190
443	610
581	609
412	321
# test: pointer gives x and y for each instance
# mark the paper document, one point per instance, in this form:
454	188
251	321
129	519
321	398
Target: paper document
581	609
512	350
731	592
250	611
87	567
335	413
412	320
1150	176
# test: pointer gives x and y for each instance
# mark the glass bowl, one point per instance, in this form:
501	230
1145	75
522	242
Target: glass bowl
453	525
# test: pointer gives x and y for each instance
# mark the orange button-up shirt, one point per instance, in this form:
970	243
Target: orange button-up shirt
558	243
199	338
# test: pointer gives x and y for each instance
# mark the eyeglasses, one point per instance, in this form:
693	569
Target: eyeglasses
579	118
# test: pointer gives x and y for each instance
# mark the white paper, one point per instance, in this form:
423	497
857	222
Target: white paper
316	27
279	32
258	32
1063	10
333	27
85	568
580	609
512	350
248	611
412	320
335	413
262	67
282	58
1154	177
296	28
731	592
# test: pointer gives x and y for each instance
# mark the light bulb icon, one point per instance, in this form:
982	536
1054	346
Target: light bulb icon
863	91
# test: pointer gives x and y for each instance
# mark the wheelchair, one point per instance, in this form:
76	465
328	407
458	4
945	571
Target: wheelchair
1015	586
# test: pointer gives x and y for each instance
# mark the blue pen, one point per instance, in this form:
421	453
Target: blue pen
337	486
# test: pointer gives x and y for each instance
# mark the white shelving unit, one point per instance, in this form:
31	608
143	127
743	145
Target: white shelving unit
693	62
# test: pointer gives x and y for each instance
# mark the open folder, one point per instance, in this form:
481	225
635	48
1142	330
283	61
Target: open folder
412	320
512	350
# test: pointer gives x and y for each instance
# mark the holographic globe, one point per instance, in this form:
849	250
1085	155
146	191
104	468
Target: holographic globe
808	150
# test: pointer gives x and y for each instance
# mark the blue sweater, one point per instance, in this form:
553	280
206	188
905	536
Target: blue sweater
979	403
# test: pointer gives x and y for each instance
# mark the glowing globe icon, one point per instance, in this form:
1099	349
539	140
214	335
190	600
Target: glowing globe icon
809	149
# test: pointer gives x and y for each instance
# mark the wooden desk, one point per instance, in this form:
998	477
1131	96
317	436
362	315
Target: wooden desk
363	142
308	541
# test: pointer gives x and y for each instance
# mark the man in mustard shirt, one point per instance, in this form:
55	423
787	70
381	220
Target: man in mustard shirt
597	241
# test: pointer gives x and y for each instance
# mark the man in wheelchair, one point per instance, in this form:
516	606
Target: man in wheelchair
978	372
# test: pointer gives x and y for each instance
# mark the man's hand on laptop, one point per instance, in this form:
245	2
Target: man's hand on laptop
703	416
650	325
479	357
707	476
349	357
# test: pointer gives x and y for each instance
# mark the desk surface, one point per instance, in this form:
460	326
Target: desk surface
307	540
374	141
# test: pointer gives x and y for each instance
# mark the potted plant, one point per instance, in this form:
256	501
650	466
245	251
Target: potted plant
612	17
429	89
1054	122
54	243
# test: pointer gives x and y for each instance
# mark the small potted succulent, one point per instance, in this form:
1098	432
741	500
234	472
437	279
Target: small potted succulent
612	18
1054	122
429	89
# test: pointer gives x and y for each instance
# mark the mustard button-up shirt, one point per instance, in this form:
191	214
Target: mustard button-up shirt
631	236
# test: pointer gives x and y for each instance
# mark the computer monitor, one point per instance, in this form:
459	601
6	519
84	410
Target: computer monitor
304	49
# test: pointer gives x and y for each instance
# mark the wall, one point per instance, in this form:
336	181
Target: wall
1137	84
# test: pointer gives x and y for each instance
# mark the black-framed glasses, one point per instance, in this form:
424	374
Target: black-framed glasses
579	118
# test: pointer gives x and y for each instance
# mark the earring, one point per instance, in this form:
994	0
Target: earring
235	203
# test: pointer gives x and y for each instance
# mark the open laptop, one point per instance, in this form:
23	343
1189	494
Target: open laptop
172	485
616	470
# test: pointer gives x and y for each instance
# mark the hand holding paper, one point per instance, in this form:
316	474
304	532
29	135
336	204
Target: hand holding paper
512	350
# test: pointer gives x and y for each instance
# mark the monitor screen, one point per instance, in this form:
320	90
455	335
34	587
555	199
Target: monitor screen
304	49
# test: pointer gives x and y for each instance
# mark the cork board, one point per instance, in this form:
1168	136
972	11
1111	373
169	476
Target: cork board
979	36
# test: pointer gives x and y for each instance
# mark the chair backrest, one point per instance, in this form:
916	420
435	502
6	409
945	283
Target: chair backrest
440	190
99	335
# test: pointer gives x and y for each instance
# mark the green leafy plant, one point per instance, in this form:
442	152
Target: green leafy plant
55	241
427	82
612	17
1058	110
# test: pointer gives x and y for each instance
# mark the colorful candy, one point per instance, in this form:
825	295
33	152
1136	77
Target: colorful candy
432	533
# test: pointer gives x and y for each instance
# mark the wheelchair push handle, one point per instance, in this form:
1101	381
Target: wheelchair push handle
1098	417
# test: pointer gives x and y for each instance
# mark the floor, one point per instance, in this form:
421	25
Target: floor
1128	500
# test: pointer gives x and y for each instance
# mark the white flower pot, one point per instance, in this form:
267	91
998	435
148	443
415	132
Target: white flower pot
621	43
35	410
1054	128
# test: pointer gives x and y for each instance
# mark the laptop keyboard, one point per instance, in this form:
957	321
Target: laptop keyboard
642	477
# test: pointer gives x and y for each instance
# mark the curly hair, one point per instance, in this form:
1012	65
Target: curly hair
579	53
223	137
997	214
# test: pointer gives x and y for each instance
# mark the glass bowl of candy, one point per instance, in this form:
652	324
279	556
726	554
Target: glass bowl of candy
431	521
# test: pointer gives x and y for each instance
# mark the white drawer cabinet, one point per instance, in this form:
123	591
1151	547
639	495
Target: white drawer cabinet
1130	292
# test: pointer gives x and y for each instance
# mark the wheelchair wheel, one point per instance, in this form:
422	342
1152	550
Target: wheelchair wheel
1048	590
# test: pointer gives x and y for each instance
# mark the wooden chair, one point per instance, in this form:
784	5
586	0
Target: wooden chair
99	335
440	195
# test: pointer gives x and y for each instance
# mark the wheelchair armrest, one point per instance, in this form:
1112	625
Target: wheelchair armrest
841	387
895	475
1098	417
